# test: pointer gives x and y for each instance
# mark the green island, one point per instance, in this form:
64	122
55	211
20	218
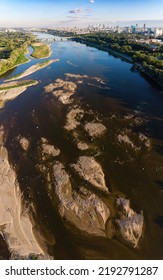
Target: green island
14	46
147	57
40	50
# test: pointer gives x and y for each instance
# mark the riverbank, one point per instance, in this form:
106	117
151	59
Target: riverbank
145	73
106	49
11	58
14	49
16	226
124	56
2	72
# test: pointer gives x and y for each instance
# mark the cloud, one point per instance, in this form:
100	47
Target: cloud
75	11
91	1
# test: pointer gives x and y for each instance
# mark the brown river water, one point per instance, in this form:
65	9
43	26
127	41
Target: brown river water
130	107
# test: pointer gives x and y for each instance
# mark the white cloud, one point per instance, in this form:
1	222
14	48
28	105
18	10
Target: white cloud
92	1
75	11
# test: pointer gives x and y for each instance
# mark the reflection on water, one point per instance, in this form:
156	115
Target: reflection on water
132	111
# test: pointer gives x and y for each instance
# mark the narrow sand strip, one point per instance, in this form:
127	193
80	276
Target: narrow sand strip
15	224
33	69
10	94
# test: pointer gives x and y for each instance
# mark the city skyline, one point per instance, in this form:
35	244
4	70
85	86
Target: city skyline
44	13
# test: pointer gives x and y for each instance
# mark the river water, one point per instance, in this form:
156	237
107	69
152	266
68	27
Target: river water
128	104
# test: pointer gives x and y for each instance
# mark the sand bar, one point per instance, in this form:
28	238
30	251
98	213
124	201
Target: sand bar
33	69
11	93
15	223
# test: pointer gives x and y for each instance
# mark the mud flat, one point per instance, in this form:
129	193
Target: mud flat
48	149
72	116
82	146
91	171
90	213
77	76
24	142
63	90
130	223
83	199
143	140
16	227
33	69
125	139
83	209
95	129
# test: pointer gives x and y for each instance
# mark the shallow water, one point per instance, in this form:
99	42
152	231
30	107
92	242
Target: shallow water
126	103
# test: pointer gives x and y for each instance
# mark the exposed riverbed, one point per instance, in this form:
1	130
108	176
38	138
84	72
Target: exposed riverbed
86	147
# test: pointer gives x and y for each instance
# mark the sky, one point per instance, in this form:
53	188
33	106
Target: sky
65	13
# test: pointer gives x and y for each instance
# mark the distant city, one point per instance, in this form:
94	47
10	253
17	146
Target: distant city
133	29
149	33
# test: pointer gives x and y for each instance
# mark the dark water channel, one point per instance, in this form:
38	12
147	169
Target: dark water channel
126	103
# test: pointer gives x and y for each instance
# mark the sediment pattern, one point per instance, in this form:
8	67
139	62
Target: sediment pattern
76	186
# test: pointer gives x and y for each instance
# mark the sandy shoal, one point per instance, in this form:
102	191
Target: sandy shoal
15	224
33	69
10	94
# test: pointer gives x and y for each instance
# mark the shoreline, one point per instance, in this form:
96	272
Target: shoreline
39	44
16	227
14	67
32	69
12	93
120	55
28	59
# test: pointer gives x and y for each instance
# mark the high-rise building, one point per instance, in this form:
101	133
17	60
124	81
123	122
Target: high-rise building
149	31
158	32
133	28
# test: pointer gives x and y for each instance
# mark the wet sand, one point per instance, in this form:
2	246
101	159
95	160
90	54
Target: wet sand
12	93
15	223
33	69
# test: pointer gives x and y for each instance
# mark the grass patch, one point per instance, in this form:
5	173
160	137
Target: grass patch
41	51
20	84
11	64
21	59
38	66
44	63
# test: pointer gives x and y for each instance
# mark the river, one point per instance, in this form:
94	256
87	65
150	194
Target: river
127	104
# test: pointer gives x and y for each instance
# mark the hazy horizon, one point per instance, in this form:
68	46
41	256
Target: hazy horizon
51	13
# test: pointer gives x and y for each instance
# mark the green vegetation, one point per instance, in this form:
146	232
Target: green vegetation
44	63
41	50
147	57
20	84
33	68
13	46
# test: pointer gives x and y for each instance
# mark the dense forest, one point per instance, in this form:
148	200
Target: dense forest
13	46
